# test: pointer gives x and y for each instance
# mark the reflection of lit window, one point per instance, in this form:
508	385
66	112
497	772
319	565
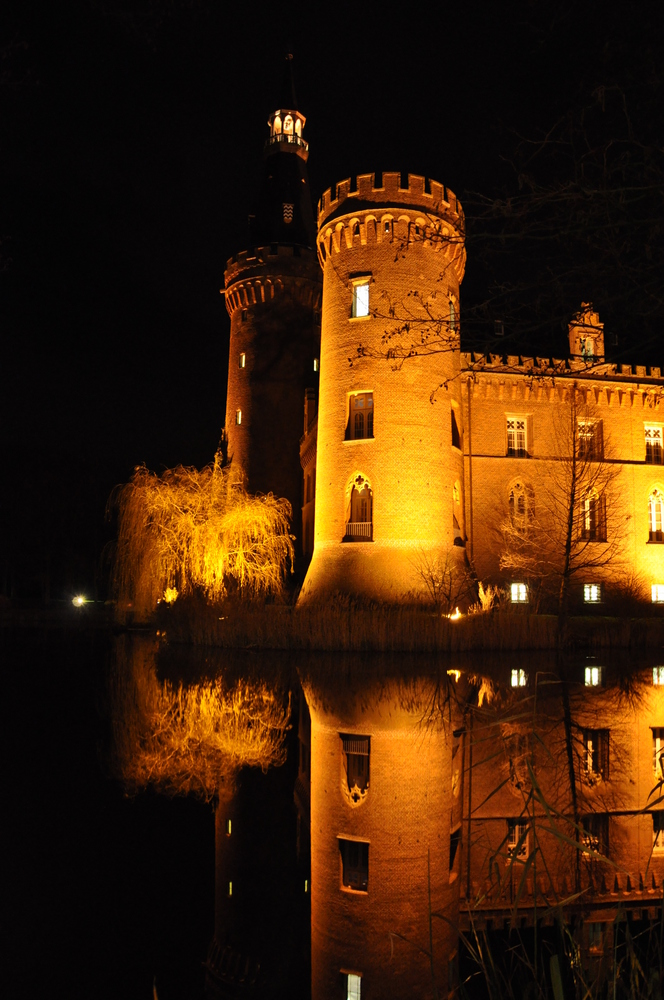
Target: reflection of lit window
593	676
596	752
360	299
519	678
243	360
354	987
658	675
592	593
658	831
658	751
355	862
658	593
519	593
517	838
238	417
356	753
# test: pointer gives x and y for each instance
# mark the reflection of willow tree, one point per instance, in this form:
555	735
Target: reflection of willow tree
191	740
197	530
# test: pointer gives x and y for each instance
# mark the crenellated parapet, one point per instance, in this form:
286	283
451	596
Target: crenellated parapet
576	367
256	277
361	213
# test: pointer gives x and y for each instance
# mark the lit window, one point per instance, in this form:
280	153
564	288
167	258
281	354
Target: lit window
594	676
288	125
242	360
658	831
658	675
656	516
519	593
359	523
230	888
360	416
592	593
355	864
354	987
228	828
591	442
516	437
596	754
596	832
316	362
653	435
517	838
658	593
519	678
593	526
306	885
356	761
658	751
288	212
360	299
238	417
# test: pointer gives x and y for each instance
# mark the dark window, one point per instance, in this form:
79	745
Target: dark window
244	315
356	759
653	434
596	832
455	840
360	416
591	440
658	830
593	526
596	753
355	864
456	437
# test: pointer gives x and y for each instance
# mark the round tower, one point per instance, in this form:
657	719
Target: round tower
389	465
383	860
273	295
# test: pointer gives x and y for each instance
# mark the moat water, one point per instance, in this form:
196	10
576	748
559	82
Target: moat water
116	889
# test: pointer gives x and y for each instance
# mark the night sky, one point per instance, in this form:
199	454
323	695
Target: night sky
132	135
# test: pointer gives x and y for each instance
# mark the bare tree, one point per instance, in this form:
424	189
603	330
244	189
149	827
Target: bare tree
575	523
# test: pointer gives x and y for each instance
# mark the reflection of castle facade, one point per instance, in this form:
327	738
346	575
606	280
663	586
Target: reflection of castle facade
406	457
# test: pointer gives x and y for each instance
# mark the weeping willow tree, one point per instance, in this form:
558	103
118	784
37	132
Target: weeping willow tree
188	530
190	740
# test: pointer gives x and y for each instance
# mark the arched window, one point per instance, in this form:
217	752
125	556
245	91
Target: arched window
288	125
593	519
276	128
359	517
656	515
298	127
359	425
520	506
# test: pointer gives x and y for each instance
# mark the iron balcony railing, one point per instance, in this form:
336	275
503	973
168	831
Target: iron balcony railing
293	139
359	529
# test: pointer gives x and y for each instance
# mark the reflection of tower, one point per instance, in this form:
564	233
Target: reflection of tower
273	299
389	460
381	858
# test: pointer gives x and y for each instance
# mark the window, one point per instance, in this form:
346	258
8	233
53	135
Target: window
657	591
359	524
591	443
594	676
658	751
228	828
242	361
520	507
387	227
517	839
656	516
592	593
519	593
456	437
288	212
593	518
353	986
653	434
288	125
243	315
595	937
238	417
658	831
516	437
355	864
316	363
455	840
519	678
360	305
452	316
356	760
596	754
360	416
658	675
596	832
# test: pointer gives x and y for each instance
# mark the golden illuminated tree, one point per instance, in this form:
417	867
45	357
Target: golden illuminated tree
194	739
188	530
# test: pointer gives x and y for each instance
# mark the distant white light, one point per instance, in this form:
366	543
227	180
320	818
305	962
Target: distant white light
79	601
519	678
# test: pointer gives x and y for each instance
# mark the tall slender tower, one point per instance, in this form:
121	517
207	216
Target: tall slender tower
273	296
389	463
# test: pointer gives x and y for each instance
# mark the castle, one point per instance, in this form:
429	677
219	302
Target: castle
413	451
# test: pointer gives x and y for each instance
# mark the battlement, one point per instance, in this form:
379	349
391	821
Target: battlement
274	259
576	367
431	197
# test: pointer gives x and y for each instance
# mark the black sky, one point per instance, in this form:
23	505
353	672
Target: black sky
131	146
